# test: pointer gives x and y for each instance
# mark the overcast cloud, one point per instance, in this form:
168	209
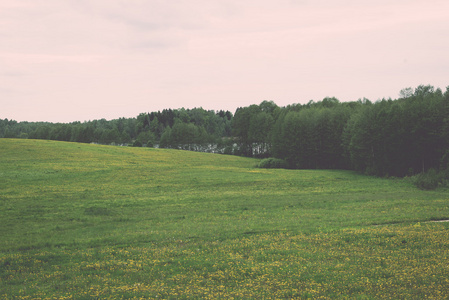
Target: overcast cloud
68	60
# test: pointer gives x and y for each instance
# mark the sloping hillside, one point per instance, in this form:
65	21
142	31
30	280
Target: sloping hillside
85	221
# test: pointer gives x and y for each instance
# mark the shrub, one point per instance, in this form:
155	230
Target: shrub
137	143
431	179
273	163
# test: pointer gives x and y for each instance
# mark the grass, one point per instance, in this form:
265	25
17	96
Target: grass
88	221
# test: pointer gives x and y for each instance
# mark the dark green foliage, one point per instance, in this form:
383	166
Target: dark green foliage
137	143
240	128
273	163
444	161
311	138
431	179
252	127
426	181
186	136
399	137
145	138
145	130
394	137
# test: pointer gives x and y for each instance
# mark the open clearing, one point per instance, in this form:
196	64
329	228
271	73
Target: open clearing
85	221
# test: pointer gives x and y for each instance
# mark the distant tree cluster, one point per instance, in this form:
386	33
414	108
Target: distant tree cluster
188	129
252	128
398	137
171	128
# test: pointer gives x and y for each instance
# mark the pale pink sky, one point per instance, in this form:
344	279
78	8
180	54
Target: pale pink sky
77	60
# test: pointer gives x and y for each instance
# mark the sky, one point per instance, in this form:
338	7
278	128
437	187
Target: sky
80	60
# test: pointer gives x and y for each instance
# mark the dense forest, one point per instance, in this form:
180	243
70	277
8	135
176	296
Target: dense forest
389	137
189	129
400	137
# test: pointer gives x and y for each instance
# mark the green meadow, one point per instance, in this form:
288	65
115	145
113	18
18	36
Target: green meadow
82	221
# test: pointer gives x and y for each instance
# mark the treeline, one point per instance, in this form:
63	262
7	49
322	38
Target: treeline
177	128
398	137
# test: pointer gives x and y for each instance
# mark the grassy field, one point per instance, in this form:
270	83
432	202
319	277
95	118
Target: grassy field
85	221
